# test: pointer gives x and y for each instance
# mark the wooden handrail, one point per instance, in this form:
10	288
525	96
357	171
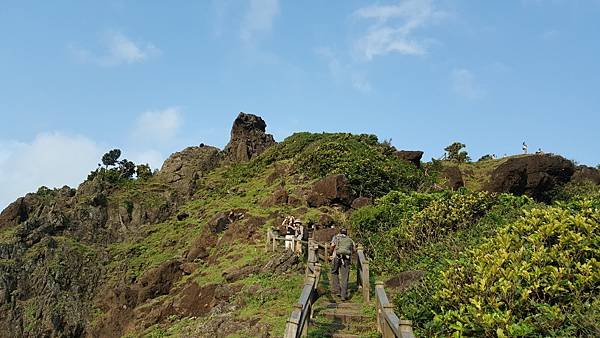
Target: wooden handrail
272	239
297	324
388	323
362	273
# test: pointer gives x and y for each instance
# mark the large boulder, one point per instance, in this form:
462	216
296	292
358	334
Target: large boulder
584	173
248	138
329	190
453	177
534	175
412	156
181	170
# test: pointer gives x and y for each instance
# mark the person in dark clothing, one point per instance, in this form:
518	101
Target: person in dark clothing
343	247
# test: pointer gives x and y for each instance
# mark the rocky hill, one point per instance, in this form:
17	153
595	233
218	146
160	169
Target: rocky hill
180	253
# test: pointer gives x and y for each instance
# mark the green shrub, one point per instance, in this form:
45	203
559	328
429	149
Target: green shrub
370	167
539	276
400	223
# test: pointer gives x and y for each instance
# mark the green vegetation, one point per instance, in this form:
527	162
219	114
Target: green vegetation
538	276
494	265
455	153
369	166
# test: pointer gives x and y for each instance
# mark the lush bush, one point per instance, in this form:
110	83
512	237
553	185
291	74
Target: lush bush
400	223
370	167
538	276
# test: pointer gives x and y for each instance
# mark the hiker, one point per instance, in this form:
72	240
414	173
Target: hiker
290	232
343	247
524	148
299	236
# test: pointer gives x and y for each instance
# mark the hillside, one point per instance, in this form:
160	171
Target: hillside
181	252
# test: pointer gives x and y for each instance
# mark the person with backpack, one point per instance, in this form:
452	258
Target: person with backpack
343	247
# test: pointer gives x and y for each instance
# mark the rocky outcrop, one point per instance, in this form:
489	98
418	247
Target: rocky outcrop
248	138
584	173
453	177
412	156
182	169
361	202
534	175
329	190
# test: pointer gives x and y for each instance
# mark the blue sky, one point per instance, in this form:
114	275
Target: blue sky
151	77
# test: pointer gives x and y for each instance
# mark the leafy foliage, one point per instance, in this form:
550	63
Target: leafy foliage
538	276
111	157
400	223
456	154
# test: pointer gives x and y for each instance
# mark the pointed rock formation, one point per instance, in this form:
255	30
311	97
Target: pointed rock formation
248	138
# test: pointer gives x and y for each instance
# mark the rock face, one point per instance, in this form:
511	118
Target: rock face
361	202
248	138
333	189
533	175
182	169
453	177
412	156
584	173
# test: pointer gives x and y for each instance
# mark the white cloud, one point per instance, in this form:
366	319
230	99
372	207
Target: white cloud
118	49
395	26
465	85
51	159
158	126
258	19
343	73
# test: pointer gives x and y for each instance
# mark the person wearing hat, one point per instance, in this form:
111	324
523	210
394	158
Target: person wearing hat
343	247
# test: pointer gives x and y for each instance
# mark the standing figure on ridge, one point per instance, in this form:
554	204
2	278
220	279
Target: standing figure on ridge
290	232
524	148
343	247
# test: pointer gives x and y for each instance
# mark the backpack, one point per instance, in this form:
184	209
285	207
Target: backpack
344	246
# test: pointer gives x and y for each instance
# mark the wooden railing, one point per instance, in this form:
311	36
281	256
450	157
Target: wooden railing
362	273
388	323
297	324
273	238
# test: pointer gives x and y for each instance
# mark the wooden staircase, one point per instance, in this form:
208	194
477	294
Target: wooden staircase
319	314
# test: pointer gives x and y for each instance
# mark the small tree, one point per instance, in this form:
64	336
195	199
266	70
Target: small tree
143	171
456	154
111	157
126	168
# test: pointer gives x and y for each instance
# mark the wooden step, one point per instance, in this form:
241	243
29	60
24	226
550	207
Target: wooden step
353	306
345	316
345	327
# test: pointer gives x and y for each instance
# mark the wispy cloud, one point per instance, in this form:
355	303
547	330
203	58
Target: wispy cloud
550	34
395	26
258	20
52	159
158	126
344	73
465	84
117	49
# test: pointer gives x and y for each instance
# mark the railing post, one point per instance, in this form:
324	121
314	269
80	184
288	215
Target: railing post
406	329
378	308
366	281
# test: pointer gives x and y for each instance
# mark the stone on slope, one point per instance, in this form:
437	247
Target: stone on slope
412	156
533	175
248	138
